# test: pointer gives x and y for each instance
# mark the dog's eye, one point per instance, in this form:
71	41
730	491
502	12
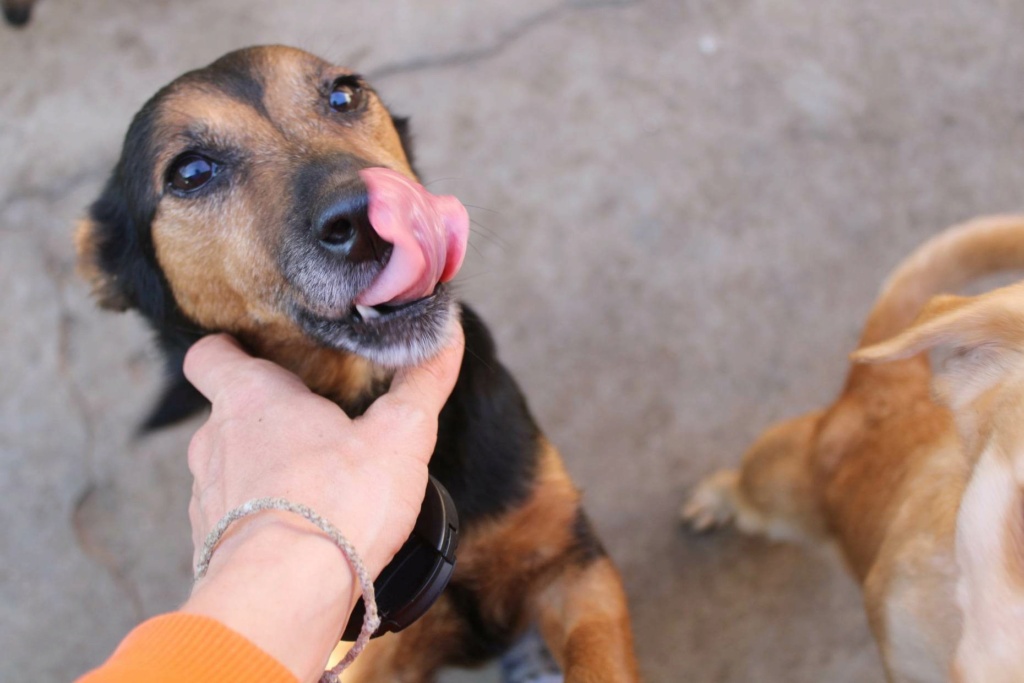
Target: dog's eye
190	172
346	94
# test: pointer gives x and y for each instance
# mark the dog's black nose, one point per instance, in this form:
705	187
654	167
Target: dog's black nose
343	228
17	16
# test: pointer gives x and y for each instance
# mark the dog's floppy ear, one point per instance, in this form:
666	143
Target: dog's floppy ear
978	337
104	285
115	251
116	256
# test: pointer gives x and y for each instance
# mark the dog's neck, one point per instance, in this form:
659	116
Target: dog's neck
349	380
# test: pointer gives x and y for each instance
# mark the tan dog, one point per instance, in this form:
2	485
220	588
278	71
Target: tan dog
982	382
882	471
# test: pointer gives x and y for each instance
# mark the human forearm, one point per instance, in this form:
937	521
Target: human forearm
283	585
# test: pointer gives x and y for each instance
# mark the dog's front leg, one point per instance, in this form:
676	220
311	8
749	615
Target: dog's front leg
585	621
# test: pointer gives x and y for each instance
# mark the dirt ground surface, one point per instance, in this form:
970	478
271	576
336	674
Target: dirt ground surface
682	212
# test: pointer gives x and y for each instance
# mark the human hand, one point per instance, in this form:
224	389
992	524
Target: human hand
269	436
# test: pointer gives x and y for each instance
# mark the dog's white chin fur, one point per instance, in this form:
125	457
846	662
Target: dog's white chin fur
414	352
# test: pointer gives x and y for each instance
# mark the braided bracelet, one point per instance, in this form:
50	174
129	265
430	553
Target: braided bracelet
371	620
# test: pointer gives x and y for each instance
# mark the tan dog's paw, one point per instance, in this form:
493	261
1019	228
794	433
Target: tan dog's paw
712	503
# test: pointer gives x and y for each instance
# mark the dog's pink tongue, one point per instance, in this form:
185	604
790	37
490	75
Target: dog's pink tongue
429	235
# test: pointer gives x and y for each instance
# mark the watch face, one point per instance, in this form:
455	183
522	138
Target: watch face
419	572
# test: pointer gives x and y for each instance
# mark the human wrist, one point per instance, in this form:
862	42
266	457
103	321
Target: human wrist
284	585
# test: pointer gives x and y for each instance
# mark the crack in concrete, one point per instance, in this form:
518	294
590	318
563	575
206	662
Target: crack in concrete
92	548
95	549
504	40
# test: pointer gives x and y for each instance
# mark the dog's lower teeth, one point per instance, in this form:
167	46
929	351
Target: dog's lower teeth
367	312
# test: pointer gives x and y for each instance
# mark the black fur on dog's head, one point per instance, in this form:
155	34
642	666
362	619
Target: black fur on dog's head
236	206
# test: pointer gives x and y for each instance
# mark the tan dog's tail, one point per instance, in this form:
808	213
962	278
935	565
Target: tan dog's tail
941	265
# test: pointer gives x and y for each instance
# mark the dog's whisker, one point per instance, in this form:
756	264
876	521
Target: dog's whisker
441	180
490	237
483	228
480	358
476	249
481	208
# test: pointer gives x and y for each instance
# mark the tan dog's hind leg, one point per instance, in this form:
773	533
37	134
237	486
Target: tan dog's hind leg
585	622
772	494
990	591
914	630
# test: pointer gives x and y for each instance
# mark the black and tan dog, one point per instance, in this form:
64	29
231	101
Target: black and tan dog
235	186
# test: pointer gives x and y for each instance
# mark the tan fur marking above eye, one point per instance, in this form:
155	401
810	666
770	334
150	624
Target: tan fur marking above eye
293	98
230	123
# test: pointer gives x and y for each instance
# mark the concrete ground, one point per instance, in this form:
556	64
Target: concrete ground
683	210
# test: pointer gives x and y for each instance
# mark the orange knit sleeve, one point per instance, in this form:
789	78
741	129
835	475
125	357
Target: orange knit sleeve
180	648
